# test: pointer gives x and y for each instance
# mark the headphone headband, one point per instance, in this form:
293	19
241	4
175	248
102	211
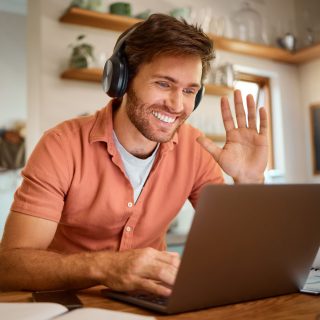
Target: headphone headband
119	46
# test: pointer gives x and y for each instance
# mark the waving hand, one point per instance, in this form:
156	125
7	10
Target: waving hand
245	153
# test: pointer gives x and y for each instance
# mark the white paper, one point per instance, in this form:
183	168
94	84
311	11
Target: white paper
316	262
313	281
101	314
30	311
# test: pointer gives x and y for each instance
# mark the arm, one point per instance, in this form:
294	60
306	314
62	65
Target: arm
25	262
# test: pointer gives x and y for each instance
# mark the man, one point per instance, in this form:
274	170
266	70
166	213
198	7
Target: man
99	192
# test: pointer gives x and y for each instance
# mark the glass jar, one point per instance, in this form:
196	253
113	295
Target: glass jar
247	24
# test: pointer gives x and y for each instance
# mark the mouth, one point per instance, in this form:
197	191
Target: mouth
163	118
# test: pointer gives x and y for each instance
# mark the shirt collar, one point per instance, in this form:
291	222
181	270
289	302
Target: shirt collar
103	127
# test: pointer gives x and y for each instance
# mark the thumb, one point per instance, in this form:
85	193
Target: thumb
210	146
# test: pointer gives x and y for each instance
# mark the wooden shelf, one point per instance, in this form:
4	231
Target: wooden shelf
95	19
95	74
307	54
109	21
252	49
92	74
263	51
217	90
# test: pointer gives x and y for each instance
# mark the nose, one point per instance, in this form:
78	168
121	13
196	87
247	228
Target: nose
175	101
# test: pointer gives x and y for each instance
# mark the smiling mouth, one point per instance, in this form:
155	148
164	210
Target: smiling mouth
163	118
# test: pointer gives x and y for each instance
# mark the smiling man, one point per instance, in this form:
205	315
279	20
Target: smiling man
99	192
160	99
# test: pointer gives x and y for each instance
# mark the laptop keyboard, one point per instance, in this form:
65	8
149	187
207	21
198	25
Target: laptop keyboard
150	298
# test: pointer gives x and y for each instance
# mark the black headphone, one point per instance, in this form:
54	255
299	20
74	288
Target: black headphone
116	73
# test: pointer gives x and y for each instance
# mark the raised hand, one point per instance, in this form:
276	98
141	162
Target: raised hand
245	153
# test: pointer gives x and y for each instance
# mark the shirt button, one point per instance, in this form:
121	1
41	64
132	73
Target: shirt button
130	204
128	229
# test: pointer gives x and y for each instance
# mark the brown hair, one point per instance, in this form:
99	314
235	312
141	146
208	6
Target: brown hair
163	34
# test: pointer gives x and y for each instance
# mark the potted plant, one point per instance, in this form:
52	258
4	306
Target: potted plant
82	54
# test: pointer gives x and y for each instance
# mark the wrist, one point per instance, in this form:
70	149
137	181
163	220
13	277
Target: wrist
98	263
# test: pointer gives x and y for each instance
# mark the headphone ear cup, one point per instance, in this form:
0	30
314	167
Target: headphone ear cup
115	77
123	78
198	98
107	76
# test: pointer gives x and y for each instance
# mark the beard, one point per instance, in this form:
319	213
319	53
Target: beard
139	114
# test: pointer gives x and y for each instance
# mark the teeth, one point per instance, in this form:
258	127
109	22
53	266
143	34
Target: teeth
163	117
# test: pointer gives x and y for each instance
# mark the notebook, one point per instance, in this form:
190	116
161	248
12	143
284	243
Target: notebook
49	311
246	242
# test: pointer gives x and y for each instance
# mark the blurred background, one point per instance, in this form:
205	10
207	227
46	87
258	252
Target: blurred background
52	53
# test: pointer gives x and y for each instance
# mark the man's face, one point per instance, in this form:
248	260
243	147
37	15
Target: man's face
162	95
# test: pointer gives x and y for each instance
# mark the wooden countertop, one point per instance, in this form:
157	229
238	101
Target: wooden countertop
293	307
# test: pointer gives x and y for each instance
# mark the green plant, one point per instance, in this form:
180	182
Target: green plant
82	54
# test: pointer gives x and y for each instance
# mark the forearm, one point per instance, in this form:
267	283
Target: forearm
31	269
139	269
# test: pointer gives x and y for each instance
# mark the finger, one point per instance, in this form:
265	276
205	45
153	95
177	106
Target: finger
252	116
226	114
210	146
240	114
171	258
165	273
154	287
160	266
173	253
263	121
160	271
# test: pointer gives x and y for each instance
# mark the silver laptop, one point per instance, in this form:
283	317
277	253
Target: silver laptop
246	242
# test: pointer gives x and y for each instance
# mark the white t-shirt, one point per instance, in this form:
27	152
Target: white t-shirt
137	170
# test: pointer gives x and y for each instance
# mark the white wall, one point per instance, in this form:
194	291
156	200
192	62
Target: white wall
9	181
13	102
307	16
13	92
52	100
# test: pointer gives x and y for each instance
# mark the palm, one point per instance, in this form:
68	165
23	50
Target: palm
244	155
250	151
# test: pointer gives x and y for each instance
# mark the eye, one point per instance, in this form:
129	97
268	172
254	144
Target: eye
189	91
163	84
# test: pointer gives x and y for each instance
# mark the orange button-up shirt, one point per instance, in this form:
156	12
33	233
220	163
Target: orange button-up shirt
75	177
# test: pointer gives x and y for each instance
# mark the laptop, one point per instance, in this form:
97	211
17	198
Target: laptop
246	242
